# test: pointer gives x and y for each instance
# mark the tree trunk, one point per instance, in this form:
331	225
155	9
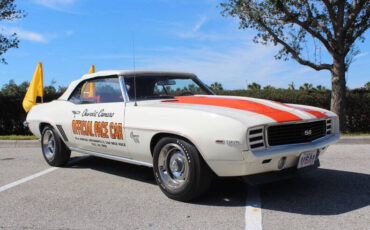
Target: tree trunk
338	92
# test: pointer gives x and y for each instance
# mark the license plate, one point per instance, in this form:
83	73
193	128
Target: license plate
306	159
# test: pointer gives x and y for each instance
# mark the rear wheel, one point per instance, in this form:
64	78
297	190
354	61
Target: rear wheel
55	152
179	170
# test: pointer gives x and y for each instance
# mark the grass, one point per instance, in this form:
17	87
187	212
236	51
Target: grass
355	134
18	137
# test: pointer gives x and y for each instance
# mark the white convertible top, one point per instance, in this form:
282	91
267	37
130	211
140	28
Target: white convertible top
138	73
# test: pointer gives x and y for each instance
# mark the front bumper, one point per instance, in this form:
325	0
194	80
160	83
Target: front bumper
267	160
268	177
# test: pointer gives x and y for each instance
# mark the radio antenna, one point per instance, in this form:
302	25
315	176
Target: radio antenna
133	55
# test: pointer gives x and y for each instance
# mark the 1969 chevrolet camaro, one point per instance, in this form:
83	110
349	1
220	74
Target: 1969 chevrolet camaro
174	123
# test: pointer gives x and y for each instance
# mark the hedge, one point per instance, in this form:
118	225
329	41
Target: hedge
12	114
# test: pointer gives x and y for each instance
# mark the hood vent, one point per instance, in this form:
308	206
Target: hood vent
256	138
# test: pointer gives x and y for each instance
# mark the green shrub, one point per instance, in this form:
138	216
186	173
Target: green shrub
12	114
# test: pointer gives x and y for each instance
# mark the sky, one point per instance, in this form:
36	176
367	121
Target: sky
68	36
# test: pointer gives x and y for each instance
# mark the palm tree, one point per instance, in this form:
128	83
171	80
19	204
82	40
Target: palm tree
216	86
321	88
306	86
291	86
254	86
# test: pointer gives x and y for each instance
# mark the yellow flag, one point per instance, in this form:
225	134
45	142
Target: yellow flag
92	69
35	89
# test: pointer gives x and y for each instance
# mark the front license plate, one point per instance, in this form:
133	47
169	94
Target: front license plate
306	159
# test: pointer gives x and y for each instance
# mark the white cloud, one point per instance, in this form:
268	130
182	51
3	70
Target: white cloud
235	68
55	4
200	32
32	36
199	24
361	54
25	34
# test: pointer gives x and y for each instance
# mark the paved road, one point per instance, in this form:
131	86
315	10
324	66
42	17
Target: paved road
102	194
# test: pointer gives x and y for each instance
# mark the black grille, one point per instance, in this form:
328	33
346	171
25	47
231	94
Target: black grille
296	133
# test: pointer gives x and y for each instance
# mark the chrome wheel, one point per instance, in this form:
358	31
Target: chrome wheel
48	145
173	167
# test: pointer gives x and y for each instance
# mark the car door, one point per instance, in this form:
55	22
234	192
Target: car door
97	116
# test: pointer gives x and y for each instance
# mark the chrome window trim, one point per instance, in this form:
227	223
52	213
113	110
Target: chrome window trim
90	80
204	85
123	88
127	98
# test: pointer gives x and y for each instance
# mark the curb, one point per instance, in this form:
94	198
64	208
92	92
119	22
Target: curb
19	143
36	143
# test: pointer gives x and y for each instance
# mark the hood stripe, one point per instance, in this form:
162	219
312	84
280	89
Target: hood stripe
316	113
251	106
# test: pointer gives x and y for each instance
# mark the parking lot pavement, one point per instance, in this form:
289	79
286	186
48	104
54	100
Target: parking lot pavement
96	193
336	196
17	163
102	194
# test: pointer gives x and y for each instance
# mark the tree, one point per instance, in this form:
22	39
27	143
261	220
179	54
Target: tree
216	86
254	86
306	86
367	86
49	90
12	89
320	88
8	12
335	24
291	86
268	87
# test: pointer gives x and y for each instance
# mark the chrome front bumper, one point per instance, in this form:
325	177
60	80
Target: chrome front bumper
267	160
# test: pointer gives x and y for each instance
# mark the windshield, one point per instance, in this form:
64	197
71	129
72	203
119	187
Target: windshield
157	87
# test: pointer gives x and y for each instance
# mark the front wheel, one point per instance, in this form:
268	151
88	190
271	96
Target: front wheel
179	170
55	152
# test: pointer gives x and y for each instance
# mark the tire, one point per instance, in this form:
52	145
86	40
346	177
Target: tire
179	170
55	152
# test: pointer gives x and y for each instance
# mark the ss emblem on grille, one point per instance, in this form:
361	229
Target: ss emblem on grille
308	132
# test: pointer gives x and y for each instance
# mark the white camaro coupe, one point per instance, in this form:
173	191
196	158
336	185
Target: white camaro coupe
174	123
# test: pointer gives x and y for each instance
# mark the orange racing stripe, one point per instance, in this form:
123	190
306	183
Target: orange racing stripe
316	113
251	106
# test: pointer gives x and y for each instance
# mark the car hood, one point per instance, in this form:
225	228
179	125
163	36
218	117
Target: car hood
244	108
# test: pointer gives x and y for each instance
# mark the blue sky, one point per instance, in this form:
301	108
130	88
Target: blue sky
180	35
